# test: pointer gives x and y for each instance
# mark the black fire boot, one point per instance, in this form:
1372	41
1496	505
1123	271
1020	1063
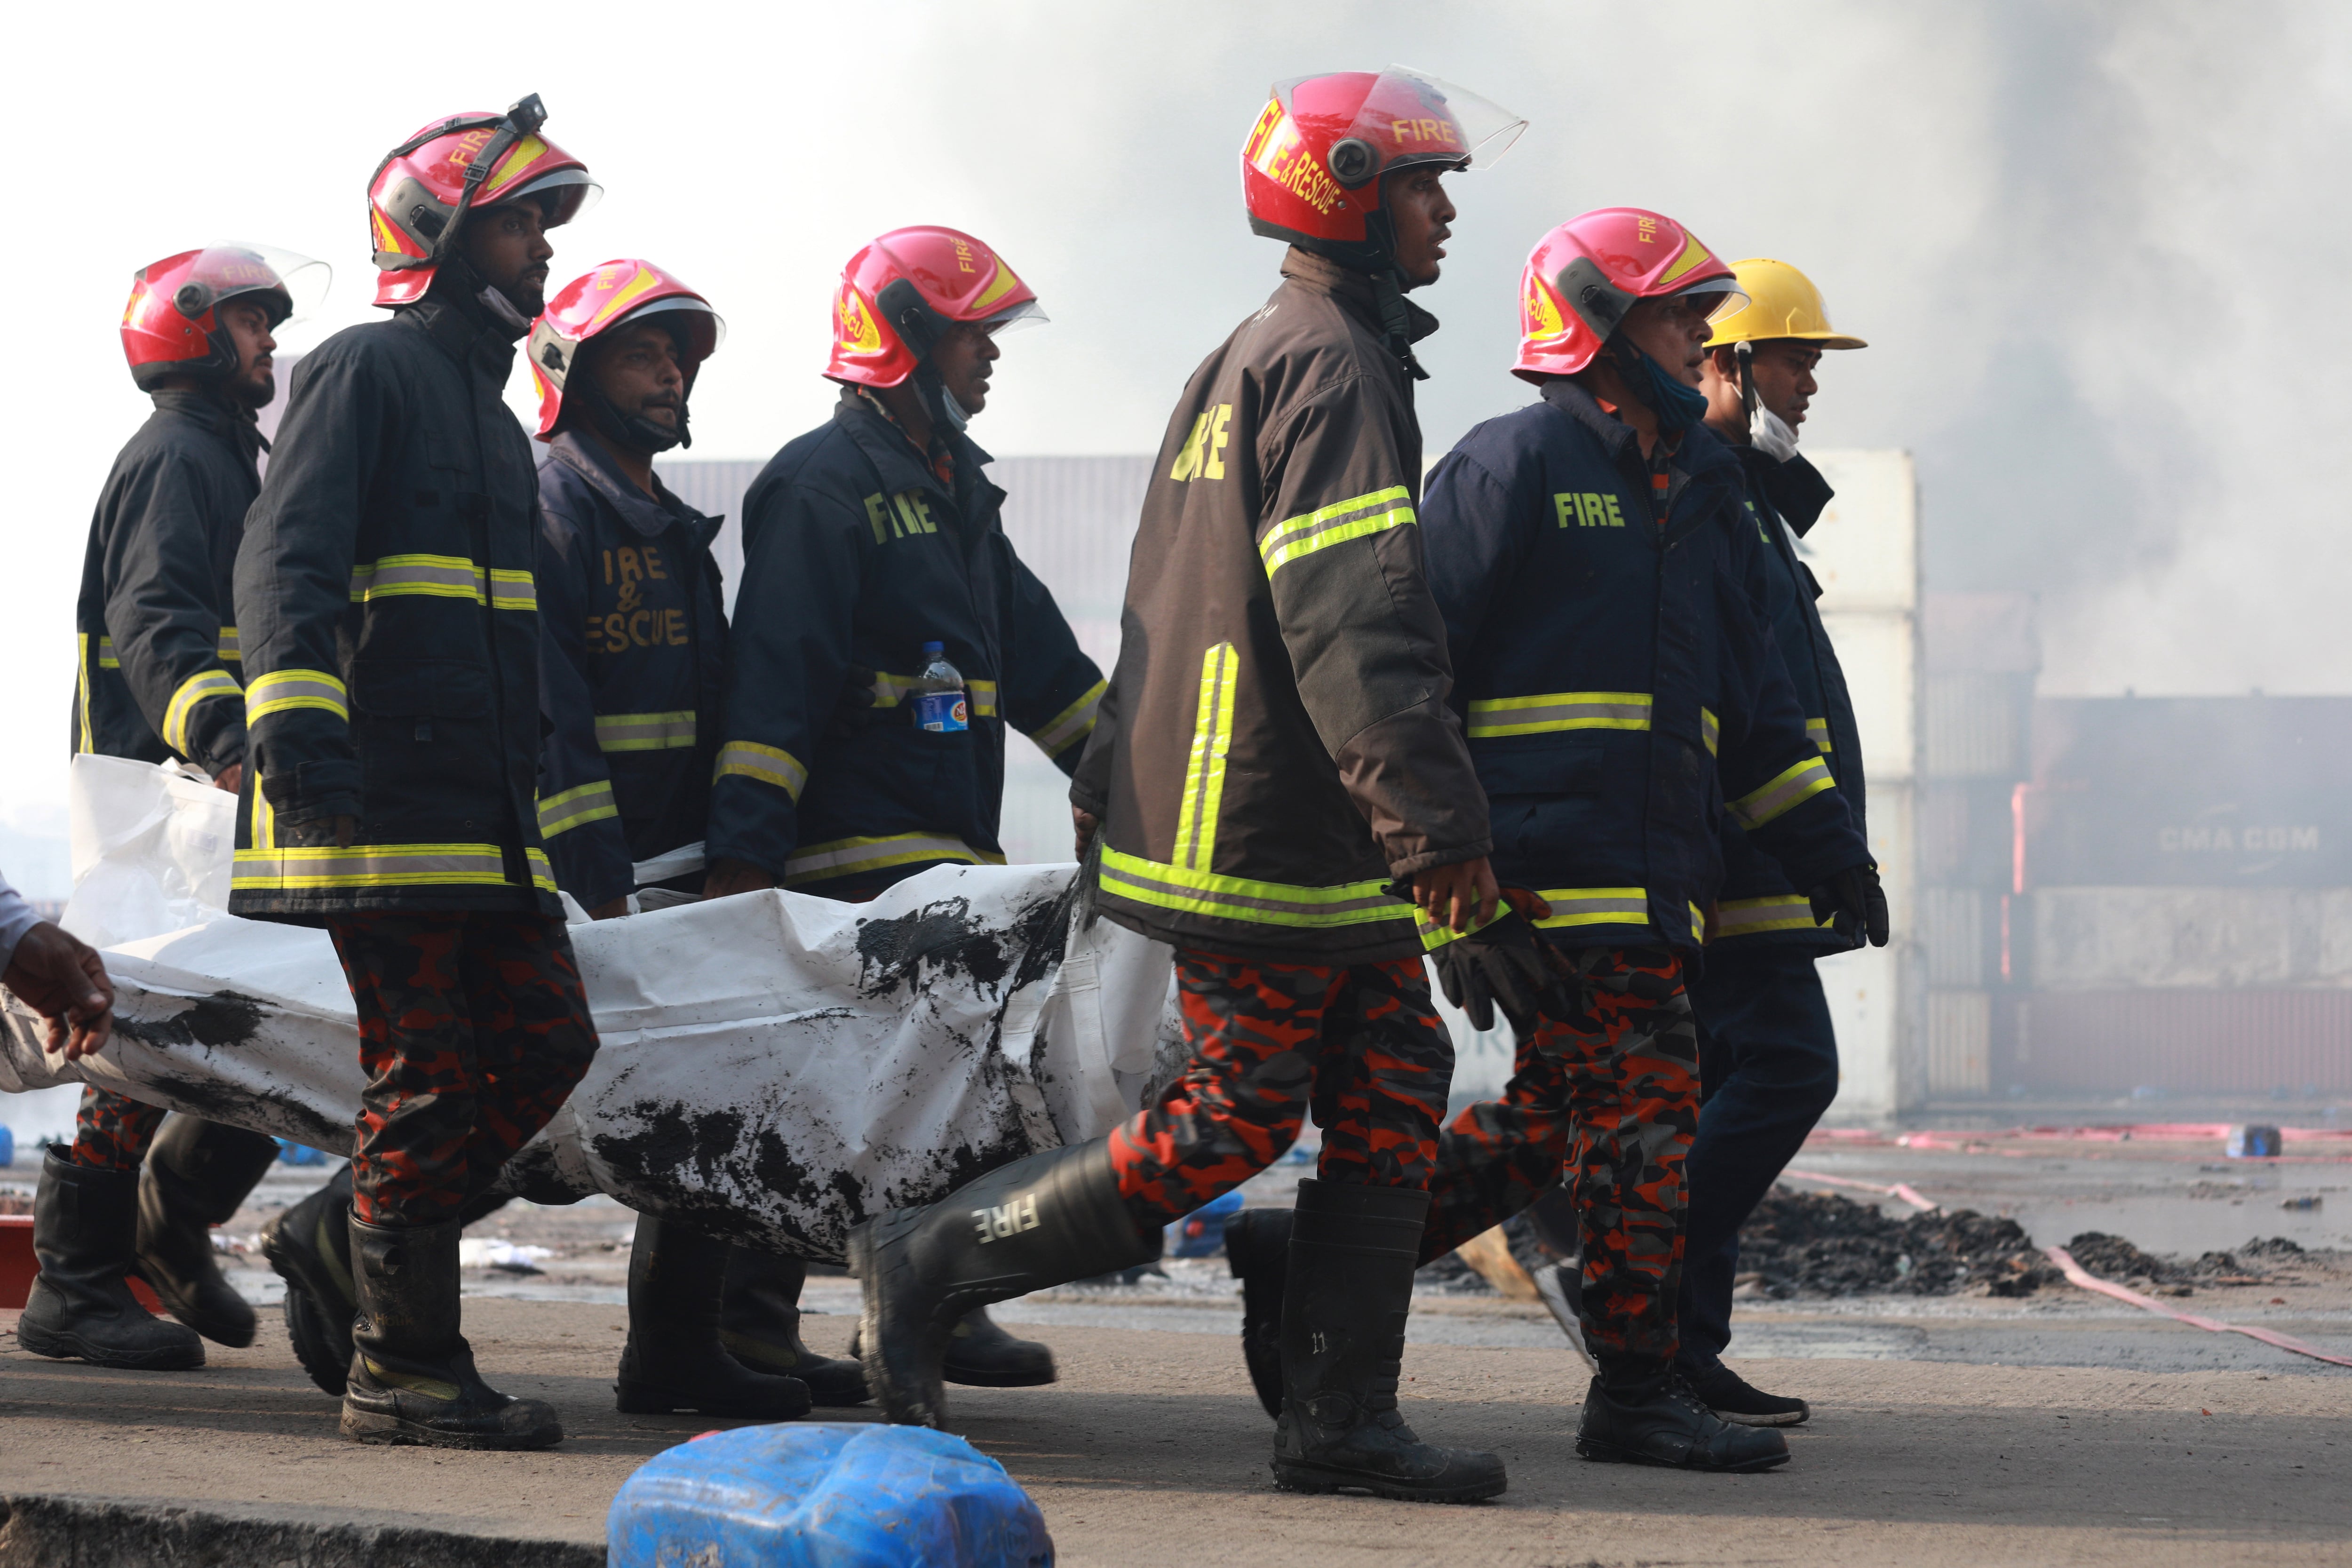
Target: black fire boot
85	1226
197	1174
981	1354
1257	1249
1353	1251
1638	1415
412	1378
760	1325
309	1245
1043	1220
673	1360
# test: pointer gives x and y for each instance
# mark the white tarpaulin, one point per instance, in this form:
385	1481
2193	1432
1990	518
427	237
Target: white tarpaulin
774	1067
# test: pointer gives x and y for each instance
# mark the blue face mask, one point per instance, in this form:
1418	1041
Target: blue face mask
1678	406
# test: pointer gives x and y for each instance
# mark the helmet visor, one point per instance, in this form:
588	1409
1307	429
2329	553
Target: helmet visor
232	268
1726	298
706	338
1026	314
1412	116
563	195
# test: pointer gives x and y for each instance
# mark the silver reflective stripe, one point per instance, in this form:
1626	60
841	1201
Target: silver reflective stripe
1072	723
1143	881
1788	789
769	765
1355	518
844	857
1747	916
645	731
231	650
1560	710
434	576
1596	906
284	689
576	807
512	591
370	866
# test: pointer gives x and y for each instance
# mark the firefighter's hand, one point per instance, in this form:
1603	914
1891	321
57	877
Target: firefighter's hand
229	777
338	831
728	878
61	977
611	909
1508	964
1852	900
1084	823
1458	896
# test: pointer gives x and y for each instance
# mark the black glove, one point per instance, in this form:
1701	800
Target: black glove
1851	900
1507	963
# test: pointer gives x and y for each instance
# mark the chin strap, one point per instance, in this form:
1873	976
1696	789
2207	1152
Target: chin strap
633	430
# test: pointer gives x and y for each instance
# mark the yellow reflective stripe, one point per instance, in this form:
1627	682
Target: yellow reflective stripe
1142	881
1287	541
202	686
1072	725
1782	911
1818	732
1553	711
645	731
543	874
982	694
81	688
512	590
889	690
1711	729
1204	763
1595	907
283	690
847	857
768	764
230	650
1788	789
1435	936
576	807
435	576
373	866
106	659
1699	923
265	818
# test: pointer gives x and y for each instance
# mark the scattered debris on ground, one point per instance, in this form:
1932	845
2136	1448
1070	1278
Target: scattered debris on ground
1817	1244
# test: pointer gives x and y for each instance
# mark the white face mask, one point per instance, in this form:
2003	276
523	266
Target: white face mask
1771	434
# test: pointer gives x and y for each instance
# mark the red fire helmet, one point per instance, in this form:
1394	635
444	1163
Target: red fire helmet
172	326
1583	276
1311	168
899	295
590	306
421	192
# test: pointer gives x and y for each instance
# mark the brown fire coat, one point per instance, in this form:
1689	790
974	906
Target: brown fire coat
1276	744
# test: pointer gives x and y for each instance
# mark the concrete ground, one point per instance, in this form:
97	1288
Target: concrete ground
2062	1428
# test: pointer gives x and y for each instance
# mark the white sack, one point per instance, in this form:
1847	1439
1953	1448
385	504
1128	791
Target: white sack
772	1066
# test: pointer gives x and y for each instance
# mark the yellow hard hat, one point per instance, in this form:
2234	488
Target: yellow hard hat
1782	303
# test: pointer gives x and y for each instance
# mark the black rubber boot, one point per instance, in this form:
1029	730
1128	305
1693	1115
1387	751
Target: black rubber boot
197	1175
85	1225
1655	1420
1352	1255
309	1245
673	1361
1257	1249
760	1325
981	1354
412	1379
1043	1220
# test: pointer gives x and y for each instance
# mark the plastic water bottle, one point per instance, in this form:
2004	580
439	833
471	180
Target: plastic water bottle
939	693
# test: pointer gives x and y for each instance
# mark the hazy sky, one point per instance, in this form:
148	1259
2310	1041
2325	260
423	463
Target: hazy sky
2072	233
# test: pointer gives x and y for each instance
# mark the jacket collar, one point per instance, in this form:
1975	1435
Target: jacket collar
651	516
894	456
464	331
1795	488
1353	291
1702	450
236	426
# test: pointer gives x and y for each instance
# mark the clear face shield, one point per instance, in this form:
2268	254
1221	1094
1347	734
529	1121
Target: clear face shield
224	271
1412	117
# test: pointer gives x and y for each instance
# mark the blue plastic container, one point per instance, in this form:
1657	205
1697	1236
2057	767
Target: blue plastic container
825	1495
299	1154
7	1147
1201	1232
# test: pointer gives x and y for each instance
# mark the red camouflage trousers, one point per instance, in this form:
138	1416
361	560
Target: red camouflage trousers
472	1030
112	1132
1613	1098
1361	1046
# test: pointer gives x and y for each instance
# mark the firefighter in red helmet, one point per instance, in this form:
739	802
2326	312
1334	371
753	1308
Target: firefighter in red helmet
632	679
157	682
872	548
391	641
1274	784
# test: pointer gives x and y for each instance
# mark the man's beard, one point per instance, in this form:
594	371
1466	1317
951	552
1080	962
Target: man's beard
256	393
